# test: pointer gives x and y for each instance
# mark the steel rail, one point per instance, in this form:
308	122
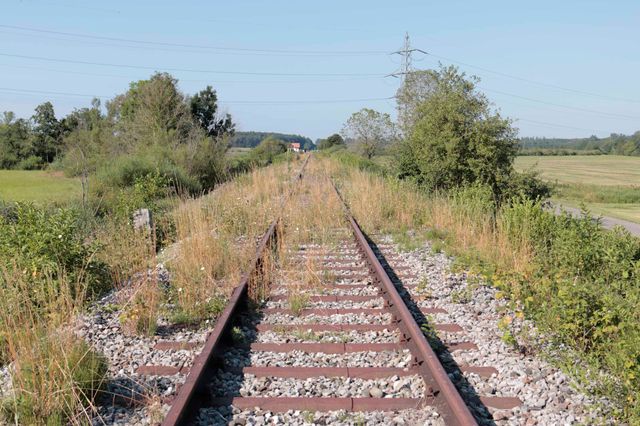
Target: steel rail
445	396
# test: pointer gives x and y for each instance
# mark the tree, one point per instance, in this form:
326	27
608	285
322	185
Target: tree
153	112
204	109
416	88
47	132
368	131
457	139
332	140
268	149
15	141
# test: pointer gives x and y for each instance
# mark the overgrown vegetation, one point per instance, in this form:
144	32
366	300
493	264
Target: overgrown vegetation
580	283
452	138
455	182
154	148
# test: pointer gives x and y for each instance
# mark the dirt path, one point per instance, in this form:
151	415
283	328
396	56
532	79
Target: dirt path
607	222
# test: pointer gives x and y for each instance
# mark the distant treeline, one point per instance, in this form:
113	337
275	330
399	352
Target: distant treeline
615	144
253	139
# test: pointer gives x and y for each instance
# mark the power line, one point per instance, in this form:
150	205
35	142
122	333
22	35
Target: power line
201	71
539	83
287	52
258	102
591	111
216	81
544	123
329	101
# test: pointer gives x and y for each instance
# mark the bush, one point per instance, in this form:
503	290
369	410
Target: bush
527	184
32	162
351	159
124	171
267	151
584	290
49	245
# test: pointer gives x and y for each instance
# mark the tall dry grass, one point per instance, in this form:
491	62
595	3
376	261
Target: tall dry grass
54	374
387	205
217	236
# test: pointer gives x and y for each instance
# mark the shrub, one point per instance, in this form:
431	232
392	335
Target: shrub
268	149
32	162
124	172
49	245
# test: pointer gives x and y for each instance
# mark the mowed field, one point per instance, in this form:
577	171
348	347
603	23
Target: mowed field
608	185
37	186
585	169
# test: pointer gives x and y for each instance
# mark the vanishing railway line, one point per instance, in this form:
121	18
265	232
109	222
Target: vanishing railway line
352	342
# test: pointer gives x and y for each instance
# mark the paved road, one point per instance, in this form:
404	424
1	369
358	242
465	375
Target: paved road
607	222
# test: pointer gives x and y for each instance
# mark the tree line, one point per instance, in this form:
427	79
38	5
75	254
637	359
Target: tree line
614	144
253	139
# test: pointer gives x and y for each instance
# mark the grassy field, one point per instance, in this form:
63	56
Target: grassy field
586	169
608	185
37	186
235	151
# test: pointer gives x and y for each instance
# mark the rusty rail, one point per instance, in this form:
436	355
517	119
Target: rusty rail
194	390
444	394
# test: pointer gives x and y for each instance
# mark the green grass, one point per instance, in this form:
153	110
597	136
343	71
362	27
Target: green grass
235	151
37	186
608	185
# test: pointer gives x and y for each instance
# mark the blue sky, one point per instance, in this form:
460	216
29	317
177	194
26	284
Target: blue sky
559	68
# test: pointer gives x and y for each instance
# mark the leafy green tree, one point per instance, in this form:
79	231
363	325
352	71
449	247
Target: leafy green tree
204	109
416	88
47	133
15	140
268	149
369	131
332	140
153	112
457	139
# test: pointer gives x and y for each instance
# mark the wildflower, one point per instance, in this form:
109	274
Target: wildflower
202	268
180	290
60	236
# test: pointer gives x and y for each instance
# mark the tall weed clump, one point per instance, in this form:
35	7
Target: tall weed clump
216	238
55	376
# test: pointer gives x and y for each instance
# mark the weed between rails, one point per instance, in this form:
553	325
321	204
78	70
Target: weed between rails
217	237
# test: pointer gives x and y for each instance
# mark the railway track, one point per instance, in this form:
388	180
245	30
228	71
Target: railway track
325	327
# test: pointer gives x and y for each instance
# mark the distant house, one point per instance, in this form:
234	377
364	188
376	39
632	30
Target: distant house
295	147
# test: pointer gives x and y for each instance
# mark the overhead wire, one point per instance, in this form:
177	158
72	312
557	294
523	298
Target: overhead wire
530	81
265	102
202	46
200	71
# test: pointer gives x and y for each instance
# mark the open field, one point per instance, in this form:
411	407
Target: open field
37	186
585	169
608	185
